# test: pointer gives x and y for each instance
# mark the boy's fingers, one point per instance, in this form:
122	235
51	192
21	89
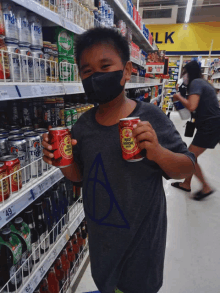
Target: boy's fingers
46	145
45	137
48	154
47	160
140	129
148	136
145	145
74	142
49	127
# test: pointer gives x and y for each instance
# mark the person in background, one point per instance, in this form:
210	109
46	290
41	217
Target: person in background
124	202
202	99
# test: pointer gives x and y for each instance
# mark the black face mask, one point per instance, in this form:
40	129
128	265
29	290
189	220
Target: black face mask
103	87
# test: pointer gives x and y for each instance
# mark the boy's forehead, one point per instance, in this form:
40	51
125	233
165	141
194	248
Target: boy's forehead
98	52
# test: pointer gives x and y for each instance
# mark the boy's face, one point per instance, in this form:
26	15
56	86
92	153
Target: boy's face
103	58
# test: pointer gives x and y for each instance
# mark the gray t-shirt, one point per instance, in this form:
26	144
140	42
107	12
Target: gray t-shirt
124	203
208	107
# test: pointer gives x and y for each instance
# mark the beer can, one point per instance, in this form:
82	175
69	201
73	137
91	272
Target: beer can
34	153
4	131
14	127
27	129
12	164
4	62
2	26
41	131
27	65
48	55
27	107
49	112
60	111
39	64
130	150
14	60
60	139
24	29
10	21
4	183
3	145
14	112
68	118
36	30
73	115
17	146
16	132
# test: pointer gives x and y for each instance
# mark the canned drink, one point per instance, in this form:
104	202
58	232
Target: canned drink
16	132
12	164
27	66
2	26
36	30
27	107
14	127
4	62
27	129
39	64
68	118
4	131
49	109
14	111
60	139
130	150
24	29
17	145
48	55
4	183
41	131
10	20
73	115
14	61
34	153
3	145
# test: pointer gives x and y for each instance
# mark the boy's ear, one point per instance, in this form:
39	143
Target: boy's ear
128	71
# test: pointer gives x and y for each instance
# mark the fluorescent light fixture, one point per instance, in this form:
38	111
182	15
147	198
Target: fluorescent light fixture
188	10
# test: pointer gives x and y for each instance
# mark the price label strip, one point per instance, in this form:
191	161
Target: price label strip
4	94
9	212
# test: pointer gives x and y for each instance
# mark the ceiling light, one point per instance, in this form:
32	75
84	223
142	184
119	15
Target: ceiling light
188	10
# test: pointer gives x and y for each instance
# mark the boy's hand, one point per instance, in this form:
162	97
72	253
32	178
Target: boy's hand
146	138
176	97
48	154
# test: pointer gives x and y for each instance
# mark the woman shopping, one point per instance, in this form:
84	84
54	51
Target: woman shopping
202	99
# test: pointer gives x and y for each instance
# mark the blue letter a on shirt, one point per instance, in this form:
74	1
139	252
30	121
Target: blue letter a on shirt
99	201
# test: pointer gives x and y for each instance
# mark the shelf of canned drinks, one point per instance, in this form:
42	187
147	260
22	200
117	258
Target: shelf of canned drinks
46	252
17	194
123	14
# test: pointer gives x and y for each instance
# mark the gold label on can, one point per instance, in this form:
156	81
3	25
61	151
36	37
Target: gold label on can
5	184
66	147
128	144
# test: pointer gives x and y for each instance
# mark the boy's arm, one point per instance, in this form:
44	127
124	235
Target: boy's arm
175	165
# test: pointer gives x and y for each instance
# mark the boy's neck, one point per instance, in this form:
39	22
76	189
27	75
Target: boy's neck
110	113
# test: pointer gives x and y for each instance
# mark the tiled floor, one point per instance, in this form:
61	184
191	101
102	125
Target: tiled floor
192	263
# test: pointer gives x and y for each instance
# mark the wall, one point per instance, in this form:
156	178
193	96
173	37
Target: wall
193	39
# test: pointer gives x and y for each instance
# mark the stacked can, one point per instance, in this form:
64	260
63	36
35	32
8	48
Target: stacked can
3	143
4	183
35	153
48	55
27	66
40	132
24	30
14	59
39	64
36	30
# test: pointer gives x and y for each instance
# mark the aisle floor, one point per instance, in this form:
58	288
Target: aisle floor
192	262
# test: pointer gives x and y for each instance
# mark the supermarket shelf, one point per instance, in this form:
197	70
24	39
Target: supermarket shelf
29	193
78	271
135	61
51	255
138	85
216	86
73	88
50	15
122	14
216	75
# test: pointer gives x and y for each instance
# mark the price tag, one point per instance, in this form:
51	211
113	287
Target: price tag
29	288
38	90
4	94
52	179
42	271
9	212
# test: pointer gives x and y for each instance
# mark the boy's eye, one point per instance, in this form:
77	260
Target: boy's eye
105	66
86	71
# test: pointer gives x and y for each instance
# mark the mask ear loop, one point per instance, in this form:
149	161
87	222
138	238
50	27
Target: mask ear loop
123	74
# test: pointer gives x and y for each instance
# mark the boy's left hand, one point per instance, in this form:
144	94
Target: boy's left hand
146	138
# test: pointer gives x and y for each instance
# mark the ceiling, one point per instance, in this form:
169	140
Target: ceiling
202	11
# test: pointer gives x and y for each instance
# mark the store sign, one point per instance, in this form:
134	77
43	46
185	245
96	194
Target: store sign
163	37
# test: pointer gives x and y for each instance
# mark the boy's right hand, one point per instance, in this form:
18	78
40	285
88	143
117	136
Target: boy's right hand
47	151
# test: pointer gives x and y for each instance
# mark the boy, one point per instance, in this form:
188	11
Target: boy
124	202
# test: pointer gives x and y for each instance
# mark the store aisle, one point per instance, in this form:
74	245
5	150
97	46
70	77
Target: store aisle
192	262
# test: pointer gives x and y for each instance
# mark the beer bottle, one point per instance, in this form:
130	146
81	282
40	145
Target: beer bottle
48	215
71	256
53	283
60	274
84	234
76	247
10	255
22	231
35	239
41	227
64	199
66	267
80	240
44	286
56	210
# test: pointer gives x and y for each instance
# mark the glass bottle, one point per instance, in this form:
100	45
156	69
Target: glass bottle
71	257
41	227
60	274
76	247
44	286
66	267
48	215
57	210
35	239
53	283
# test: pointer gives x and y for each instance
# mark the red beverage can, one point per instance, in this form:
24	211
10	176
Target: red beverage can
130	150
12	164
4	183
60	139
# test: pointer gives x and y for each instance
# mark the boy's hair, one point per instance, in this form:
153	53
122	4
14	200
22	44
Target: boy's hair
101	36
